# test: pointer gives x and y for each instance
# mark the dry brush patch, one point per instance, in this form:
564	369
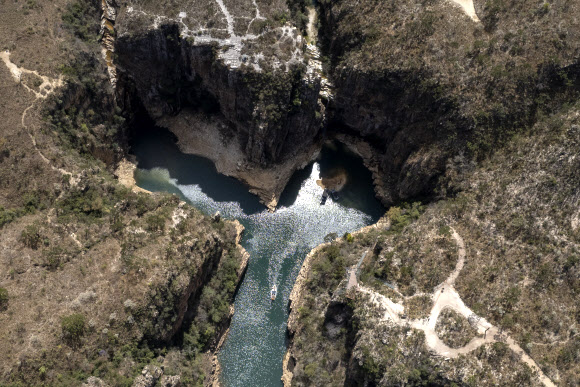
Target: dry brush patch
454	329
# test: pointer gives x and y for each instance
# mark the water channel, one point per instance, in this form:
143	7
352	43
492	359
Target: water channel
277	242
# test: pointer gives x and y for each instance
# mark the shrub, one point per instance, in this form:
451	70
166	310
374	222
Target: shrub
330	237
348	237
30	237
3	298
7	216
155	222
73	327
310	370
78	17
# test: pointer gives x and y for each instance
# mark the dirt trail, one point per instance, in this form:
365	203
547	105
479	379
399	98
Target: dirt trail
445	296
233	44
47	87
468	8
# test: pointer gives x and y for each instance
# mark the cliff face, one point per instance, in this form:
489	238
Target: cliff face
422	81
96	281
170	74
478	109
246	101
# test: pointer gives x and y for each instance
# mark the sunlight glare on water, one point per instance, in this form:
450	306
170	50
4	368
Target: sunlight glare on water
277	242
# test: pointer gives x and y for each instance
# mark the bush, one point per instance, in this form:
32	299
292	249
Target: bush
73	327
85	204
3	298
7	216
348	237
79	18
30	237
156	222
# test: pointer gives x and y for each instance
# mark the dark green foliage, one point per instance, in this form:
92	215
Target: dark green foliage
328	269
400	217
7	216
85	115
55	257
570	354
143	204
73	328
156	222
86	203
81	17
3	298
30	203
330	237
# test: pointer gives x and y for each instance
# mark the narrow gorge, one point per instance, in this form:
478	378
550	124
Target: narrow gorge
402	173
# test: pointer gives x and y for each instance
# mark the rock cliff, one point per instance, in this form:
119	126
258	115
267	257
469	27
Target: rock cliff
422	81
255	87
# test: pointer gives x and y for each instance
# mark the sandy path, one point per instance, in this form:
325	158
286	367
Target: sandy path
445	296
468	8
47	87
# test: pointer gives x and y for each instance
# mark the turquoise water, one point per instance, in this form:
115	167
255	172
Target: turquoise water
277	242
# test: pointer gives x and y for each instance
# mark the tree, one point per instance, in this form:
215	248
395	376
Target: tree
73	328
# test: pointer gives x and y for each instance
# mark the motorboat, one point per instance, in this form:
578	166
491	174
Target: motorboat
273	292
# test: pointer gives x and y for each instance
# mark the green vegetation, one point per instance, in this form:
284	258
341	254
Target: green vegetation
401	217
30	202
418	307
299	13
73	328
79	17
454	329
214	307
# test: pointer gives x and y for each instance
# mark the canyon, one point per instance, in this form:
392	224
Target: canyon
465	113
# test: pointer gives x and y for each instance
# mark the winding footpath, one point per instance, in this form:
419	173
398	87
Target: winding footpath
445	296
47	87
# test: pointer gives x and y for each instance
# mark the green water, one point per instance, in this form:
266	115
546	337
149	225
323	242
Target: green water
277	242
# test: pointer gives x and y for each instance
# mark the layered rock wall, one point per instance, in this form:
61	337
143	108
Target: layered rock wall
271	113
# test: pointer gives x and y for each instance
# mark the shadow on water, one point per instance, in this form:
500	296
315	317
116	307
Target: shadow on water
156	147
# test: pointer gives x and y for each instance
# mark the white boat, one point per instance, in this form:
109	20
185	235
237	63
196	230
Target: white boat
273	292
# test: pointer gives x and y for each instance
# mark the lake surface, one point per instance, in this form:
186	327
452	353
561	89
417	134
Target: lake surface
277	242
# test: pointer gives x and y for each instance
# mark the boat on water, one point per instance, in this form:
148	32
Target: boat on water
324	197
273	292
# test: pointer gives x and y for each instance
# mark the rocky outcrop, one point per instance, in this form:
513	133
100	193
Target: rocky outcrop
299	290
107	36
183	290
154	376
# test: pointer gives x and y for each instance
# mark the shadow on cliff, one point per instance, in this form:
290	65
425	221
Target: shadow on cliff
357	192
